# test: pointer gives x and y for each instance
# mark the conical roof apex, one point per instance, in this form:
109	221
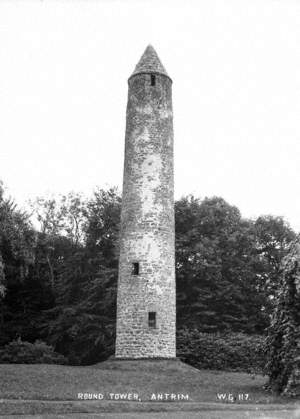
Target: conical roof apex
149	63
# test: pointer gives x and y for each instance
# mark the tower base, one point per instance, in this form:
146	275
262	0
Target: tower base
156	358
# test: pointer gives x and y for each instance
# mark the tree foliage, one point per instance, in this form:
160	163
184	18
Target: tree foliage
273	237
283	366
81	324
58	282
17	256
216	267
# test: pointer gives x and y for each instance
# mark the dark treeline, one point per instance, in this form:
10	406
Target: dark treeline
58	282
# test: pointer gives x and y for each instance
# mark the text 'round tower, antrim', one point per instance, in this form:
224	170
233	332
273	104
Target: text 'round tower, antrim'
146	313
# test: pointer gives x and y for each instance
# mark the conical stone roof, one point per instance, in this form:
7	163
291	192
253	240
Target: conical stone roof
150	63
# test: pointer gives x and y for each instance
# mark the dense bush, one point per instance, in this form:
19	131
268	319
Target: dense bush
21	352
230	352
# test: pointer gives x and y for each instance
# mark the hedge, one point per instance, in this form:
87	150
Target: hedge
229	352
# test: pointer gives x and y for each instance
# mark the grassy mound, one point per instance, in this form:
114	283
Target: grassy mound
54	389
145	378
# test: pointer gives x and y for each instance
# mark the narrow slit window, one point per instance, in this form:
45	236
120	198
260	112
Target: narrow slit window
135	268
152	319
152	80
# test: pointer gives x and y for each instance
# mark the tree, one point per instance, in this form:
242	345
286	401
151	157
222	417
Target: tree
215	260
273	236
283	343
17	256
59	283
102	228
82	323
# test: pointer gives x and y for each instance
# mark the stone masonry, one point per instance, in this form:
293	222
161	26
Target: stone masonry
146	312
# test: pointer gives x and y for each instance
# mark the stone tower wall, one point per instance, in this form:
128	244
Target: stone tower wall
147	223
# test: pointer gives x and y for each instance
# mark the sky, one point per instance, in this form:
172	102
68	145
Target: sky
235	67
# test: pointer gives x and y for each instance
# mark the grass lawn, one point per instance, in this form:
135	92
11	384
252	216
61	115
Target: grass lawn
172	415
56	382
50	389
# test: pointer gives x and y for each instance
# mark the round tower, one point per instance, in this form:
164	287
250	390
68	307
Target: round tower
146	299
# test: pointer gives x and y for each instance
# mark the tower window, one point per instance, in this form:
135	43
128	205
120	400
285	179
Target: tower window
152	319
135	268
152	80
